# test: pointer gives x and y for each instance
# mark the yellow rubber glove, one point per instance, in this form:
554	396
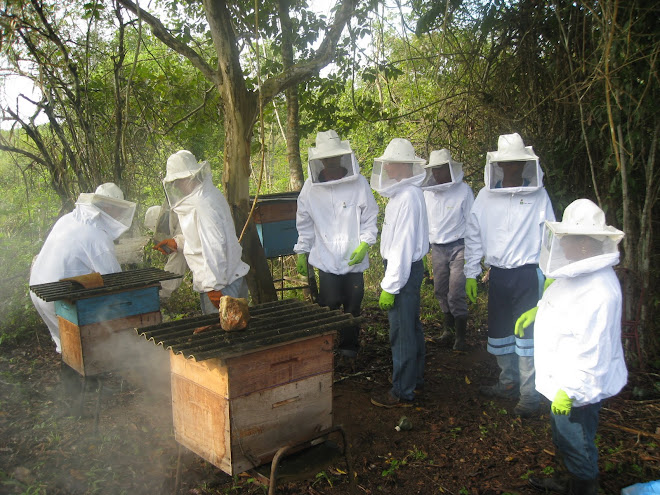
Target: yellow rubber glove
525	320
359	254
301	264
166	247
471	289
562	403
386	301
547	283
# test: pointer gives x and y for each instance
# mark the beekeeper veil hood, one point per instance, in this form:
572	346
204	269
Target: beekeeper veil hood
151	218
111	190
512	160
184	176
442	166
332	160
107	208
399	165
582	242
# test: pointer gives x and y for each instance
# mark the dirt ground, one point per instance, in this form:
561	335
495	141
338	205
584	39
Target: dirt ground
460	442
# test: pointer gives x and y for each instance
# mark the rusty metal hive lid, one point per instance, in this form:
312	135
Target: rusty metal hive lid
271	324
112	282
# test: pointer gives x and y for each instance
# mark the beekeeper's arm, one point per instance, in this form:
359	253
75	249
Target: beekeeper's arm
473	254
214	251
305	227
368	229
400	253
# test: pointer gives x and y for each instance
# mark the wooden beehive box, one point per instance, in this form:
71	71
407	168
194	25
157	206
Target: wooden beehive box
238	411
95	330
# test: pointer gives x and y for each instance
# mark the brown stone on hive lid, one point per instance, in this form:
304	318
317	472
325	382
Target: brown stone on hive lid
234	313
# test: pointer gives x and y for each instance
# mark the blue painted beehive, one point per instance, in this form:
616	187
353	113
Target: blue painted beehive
275	218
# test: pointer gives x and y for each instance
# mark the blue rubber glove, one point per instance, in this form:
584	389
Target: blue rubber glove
562	403
359	254
386	301
525	320
547	283
471	289
301	264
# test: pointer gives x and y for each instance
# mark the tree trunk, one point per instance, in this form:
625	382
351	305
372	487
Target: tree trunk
296	178
236	181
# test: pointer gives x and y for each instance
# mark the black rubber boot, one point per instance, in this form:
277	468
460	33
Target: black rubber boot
556	484
582	487
448	334
461	329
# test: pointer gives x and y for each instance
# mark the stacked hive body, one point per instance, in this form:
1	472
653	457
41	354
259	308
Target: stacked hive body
237	397
97	325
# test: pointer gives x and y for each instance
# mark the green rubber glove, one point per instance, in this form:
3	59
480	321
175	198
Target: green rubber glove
386	301
301	264
562	403
359	254
471	289
525	320
547	283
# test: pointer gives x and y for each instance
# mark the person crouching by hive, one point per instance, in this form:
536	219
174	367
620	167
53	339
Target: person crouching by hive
504	227
448	203
81	242
404	243
579	356
336	222
208	235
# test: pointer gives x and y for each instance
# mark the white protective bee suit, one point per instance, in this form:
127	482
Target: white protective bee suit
448	207
405	235
505	223
211	247
164	223
504	228
579	356
81	242
578	322
404	242
334	217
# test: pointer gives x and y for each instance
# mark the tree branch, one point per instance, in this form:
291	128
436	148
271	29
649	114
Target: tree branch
161	32
324	55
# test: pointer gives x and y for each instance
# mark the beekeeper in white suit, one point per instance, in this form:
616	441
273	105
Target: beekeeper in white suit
81	242
336	223
579	357
448	204
404	242
504	228
209	238
164	224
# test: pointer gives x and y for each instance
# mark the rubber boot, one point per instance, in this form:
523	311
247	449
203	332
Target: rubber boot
448	334
461	329
582	487
557	483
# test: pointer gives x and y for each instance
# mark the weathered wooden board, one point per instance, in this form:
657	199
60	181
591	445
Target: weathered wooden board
201	421
237	413
265	421
275	211
104	346
279	365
